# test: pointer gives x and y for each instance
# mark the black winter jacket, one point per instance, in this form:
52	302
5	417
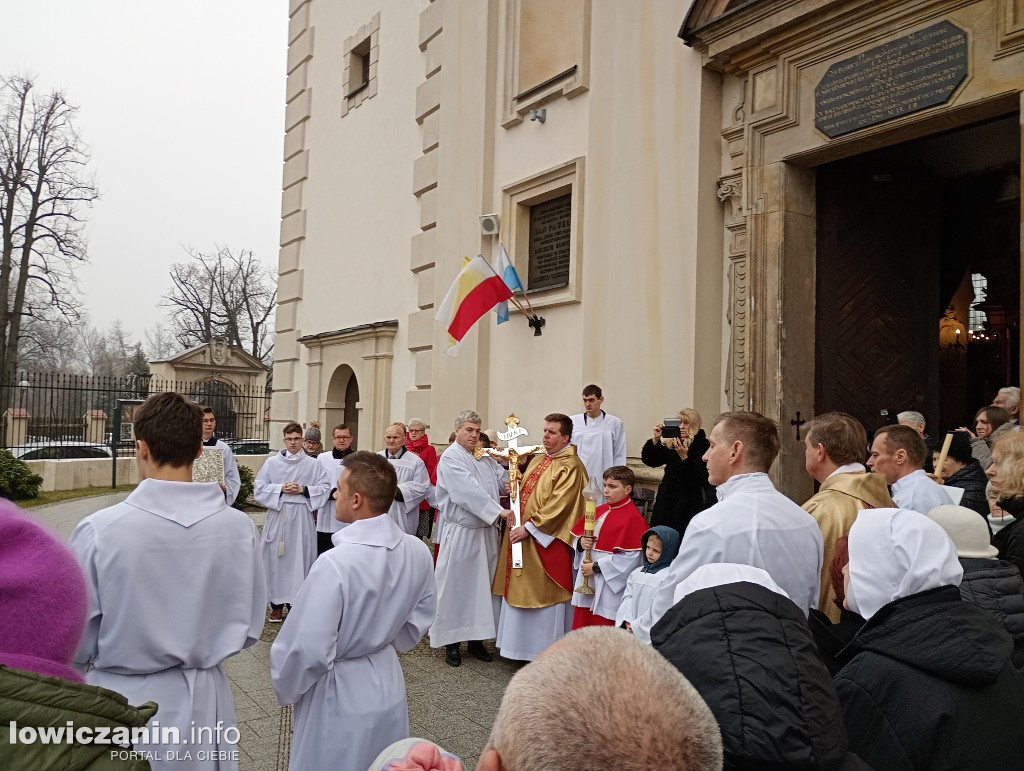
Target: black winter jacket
684	491
996	586
1010	540
929	685
972	480
749	653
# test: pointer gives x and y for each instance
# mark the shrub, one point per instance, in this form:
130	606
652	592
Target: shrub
245	490
16	479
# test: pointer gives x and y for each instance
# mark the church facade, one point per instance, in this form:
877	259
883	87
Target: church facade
788	206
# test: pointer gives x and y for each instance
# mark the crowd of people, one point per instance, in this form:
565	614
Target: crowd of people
879	625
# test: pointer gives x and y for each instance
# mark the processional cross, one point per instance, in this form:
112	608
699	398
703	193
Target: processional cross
512	453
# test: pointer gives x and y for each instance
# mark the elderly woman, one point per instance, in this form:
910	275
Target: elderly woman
684	490
417	441
1007	475
927	672
990	423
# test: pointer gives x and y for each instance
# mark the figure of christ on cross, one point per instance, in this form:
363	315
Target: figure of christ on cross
512	454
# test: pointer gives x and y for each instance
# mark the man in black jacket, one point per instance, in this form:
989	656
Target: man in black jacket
747	649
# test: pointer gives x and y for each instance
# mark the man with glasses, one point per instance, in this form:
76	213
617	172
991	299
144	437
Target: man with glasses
332	462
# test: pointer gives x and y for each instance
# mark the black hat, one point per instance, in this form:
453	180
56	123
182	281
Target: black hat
960	447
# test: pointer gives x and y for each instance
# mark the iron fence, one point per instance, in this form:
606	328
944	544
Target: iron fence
52	416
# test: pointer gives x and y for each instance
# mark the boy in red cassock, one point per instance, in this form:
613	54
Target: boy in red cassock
615	551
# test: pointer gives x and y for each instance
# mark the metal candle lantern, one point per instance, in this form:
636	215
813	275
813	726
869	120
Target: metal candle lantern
590	495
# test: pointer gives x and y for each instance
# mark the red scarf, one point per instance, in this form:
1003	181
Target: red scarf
417	445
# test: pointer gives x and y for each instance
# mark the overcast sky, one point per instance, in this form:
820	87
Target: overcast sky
182	107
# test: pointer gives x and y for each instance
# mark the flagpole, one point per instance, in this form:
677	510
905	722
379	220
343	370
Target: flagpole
527	299
519	305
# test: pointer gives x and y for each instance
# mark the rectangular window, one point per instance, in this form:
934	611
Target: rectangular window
358	68
542	228
360	54
977	318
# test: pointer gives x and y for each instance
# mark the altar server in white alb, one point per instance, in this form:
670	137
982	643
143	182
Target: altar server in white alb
232	480
468	493
326	523
413	480
752	523
368	597
600	438
175	587
291	485
899	452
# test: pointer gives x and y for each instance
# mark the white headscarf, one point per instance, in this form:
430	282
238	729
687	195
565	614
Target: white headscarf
721	573
895	553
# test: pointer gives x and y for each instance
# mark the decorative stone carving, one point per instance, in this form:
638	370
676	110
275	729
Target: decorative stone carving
220	353
730	191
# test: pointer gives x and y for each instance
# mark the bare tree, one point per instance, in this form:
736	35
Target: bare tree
112	353
160	342
50	343
43	189
223	294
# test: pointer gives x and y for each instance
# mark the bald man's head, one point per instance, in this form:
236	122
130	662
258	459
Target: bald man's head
599	690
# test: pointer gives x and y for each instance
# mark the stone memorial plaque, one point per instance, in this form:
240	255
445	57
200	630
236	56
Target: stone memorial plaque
910	73
550	227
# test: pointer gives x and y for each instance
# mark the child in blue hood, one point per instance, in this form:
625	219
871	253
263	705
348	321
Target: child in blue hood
660	545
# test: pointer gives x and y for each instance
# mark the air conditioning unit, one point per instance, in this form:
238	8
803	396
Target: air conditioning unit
490	224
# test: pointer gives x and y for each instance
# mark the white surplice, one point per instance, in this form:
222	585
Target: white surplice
610	583
752	524
289	540
524	632
414	482
468	493
919	492
175	587
638	594
326	522
232	479
600	444
370	595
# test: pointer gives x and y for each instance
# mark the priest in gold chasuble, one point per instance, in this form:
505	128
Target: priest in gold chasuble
535	609
833	455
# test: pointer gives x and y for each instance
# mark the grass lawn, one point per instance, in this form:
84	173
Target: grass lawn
57	496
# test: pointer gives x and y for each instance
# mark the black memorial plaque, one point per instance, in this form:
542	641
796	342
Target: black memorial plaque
910	73
550	227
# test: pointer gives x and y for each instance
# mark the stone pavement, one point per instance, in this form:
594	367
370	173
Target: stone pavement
452	707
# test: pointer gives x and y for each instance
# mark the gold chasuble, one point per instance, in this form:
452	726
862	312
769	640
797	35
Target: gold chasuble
552	499
834	507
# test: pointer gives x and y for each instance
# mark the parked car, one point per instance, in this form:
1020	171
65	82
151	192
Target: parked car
248	446
59	450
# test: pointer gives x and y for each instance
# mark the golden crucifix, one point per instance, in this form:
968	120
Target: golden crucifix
512	453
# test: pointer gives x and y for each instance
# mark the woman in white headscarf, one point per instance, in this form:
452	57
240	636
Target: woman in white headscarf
926	675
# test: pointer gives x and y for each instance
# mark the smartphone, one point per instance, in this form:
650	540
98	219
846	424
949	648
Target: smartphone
670	428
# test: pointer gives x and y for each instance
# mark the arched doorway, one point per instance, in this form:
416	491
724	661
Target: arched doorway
342	404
